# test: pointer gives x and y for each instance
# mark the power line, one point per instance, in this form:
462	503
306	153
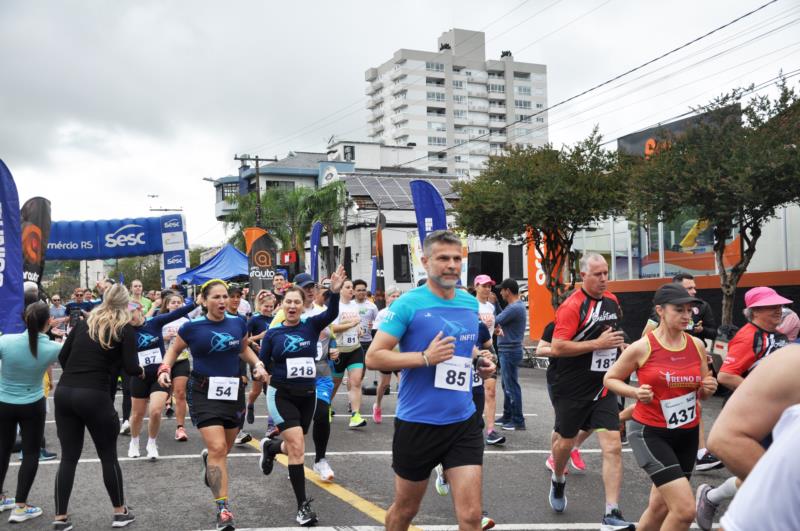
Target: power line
615	78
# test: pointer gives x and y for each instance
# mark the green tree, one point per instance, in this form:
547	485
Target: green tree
543	196
194	255
735	168
145	268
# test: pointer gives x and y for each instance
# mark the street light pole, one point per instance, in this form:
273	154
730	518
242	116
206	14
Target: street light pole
256	159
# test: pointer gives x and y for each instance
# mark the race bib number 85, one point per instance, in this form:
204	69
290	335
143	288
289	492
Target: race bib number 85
454	374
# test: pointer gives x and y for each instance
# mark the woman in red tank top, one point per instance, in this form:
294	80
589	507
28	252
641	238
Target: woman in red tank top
673	373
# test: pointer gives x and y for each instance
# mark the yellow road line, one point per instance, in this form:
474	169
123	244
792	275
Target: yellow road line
347	496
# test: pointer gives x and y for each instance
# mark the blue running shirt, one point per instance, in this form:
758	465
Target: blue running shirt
150	340
415	319
215	345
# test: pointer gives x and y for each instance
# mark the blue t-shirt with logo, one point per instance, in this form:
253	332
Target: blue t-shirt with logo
149	336
415	319
215	345
299	341
258	323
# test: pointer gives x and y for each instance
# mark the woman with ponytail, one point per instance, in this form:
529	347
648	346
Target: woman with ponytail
26	357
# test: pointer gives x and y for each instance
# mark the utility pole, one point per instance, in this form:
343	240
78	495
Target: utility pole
256	159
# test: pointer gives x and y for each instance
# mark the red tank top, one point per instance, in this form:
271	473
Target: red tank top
675	377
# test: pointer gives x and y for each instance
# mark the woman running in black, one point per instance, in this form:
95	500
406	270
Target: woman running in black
91	357
289	351
215	391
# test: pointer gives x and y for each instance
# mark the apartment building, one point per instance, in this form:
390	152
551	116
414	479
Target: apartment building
455	98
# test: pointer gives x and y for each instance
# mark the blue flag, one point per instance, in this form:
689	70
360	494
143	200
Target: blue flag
11	293
428	207
316	239
374	284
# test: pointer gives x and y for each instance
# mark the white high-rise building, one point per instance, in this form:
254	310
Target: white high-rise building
457	98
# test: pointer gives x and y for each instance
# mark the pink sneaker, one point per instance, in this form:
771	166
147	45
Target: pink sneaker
551	464
377	415
576	460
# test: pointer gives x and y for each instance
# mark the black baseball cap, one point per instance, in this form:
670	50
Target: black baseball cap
303	280
673	293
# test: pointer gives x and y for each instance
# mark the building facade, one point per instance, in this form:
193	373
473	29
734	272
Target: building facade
455	98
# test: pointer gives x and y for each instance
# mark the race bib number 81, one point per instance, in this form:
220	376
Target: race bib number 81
454	374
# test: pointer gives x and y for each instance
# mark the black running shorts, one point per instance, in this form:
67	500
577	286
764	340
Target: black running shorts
206	412
666	455
417	448
574	415
292	407
181	368
143	388
348	360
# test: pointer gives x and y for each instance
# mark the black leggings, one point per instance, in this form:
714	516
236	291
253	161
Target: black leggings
126	395
321	432
78	409
30	418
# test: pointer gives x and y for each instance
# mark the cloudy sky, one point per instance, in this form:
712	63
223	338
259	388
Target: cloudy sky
105	103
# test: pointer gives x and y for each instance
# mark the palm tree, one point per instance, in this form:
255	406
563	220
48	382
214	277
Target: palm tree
326	206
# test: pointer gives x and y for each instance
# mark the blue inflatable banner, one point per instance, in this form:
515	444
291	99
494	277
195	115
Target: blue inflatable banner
316	237
11	298
103	239
428	207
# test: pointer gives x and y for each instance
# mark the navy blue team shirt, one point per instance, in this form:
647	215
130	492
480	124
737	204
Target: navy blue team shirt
148	335
215	345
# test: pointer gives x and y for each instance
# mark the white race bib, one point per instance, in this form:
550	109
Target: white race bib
477	381
349	338
320	350
223	388
454	374
300	368
603	359
680	410
150	357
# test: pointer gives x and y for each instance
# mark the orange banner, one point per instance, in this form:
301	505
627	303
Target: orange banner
251	234
540	309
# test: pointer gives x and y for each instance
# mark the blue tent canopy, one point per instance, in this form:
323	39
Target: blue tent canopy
228	263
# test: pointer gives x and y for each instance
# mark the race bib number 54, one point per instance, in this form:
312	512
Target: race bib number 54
223	388
454	374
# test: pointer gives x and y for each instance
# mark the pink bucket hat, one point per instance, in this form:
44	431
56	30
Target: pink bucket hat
763	296
480	280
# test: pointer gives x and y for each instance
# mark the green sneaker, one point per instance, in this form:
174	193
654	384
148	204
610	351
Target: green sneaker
356	421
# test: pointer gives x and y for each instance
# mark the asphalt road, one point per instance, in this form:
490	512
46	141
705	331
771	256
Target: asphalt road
169	494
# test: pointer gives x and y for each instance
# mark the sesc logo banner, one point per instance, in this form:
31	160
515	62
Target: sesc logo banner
172	223
174	260
115	238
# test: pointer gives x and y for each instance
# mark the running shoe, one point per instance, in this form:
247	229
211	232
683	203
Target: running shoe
62	525
357	421
273	432
44	455
442	488
576	460
614	521
623	434
133	449
169	411
7	503
486	522
225	520
558	498
266	460
708	462
323	470
243	438
20	514
152	450
493	438
180	434
305	516
125	429
502	420
551	465
706	509
331	413
251	413
349	408
377	414
123	519
204	457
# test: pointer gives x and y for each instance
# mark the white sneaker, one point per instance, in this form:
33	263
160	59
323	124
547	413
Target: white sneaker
125	429
6	503
323	470
442	487
133	449
152	450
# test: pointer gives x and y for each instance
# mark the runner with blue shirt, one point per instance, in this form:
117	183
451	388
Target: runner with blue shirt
436	327
26	357
256	329
150	350
289	352
215	391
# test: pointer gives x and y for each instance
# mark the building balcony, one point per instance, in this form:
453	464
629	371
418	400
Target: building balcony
371	74
373	87
478	94
436	162
375	101
399	103
399	118
477	77
477	164
475	107
397	88
398	73
376	130
497	123
401	131
497	137
497	152
461	120
377	114
222	209
479	150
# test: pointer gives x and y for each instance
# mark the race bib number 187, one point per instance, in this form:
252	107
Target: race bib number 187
603	359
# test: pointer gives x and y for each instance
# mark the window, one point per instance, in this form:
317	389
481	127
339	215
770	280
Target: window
516	269
434	67
402	140
459	141
524	118
458	158
229	190
458	84
437	126
459	113
522	75
462	172
522	104
496	87
496	75
540	119
437	96
522	90
459	99
284	185
437	141
539	106
402	264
